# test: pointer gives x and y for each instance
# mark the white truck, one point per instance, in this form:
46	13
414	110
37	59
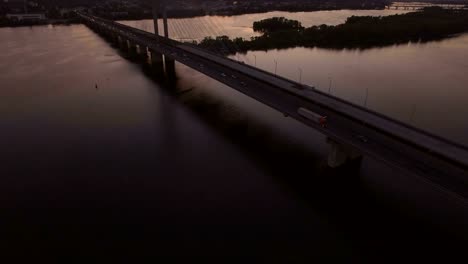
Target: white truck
317	118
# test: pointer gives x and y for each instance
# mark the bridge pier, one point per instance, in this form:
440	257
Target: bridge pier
341	154
157	63
98	30
132	49
110	36
114	39
156	58
102	31
106	32
122	43
142	52
169	65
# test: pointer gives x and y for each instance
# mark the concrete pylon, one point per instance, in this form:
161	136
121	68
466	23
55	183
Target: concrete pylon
142	53
132	49
122	43
115	39
156	58
341	154
169	65
157	63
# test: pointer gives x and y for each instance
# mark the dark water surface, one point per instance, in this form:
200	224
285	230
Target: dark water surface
98	157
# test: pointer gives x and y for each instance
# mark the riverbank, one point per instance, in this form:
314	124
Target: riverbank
357	32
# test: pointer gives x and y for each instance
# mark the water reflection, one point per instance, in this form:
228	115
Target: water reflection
187	29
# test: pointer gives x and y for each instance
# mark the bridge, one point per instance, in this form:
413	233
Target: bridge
351	130
419	6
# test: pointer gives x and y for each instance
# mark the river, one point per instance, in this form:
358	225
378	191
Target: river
100	157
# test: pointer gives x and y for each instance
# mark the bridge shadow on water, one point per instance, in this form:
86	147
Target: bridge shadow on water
387	231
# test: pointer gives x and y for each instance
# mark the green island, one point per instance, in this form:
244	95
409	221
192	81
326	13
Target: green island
432	23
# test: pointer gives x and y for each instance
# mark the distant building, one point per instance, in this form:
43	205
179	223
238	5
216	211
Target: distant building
26	17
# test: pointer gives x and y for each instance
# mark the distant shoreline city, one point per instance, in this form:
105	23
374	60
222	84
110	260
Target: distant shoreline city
39	12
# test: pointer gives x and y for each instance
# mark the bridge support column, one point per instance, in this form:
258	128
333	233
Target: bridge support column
122	44
132	49
105	33
156	58
169	65
341	154
117	40
110	36
157	62
142	53
98	30
114	38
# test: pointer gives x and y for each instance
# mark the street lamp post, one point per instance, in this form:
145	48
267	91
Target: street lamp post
276	66
255	57
367	94
300	75
413	110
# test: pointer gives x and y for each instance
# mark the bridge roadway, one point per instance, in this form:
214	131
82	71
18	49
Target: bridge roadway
438	160
416	6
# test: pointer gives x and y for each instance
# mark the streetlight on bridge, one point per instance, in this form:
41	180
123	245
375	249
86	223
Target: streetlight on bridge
276	66
300	75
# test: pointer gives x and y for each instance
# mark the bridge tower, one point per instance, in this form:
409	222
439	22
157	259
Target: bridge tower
157	58
166	28
158	7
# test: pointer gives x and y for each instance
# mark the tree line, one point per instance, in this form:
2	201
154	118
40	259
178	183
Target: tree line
431	23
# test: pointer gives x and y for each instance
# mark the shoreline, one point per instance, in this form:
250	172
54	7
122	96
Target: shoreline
222	14
74	21
358	32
